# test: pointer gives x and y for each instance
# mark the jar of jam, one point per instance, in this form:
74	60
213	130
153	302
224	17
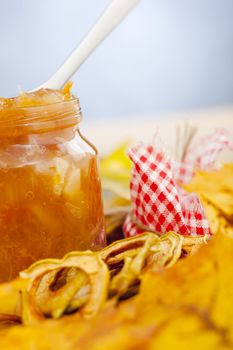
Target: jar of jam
50	191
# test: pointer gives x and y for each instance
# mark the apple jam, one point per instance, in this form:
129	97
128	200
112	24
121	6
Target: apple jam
50	191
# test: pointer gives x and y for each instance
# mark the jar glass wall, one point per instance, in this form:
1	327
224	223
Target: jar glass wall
49	186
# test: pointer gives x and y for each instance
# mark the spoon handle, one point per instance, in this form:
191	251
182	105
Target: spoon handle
113	15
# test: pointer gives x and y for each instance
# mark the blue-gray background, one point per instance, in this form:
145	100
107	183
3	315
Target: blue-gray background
168	55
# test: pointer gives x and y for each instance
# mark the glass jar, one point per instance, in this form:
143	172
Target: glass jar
49	183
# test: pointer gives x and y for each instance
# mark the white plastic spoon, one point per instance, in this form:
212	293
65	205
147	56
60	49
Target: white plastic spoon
113	15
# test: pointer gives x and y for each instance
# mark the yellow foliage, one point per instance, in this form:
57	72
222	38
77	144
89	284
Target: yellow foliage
189	306
115	170
215	190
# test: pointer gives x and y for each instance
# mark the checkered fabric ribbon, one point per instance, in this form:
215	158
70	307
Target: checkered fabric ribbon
201	155
159	203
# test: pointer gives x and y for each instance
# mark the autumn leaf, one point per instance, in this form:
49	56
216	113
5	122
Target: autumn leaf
188	306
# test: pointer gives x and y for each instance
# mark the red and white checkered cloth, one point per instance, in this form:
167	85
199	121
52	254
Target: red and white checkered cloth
201	155
159	203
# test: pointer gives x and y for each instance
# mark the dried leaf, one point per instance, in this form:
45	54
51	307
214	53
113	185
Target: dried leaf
215	190
188	306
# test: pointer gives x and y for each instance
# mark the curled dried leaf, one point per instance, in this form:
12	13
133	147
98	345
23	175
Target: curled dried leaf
117	251
132	269
192	244
55	290
78	280
85	280
166	252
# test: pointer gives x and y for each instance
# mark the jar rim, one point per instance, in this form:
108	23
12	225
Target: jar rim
73	99
39	118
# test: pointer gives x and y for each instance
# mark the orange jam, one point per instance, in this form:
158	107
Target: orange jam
50	192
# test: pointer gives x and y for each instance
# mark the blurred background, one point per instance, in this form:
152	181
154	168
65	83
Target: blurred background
167	56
